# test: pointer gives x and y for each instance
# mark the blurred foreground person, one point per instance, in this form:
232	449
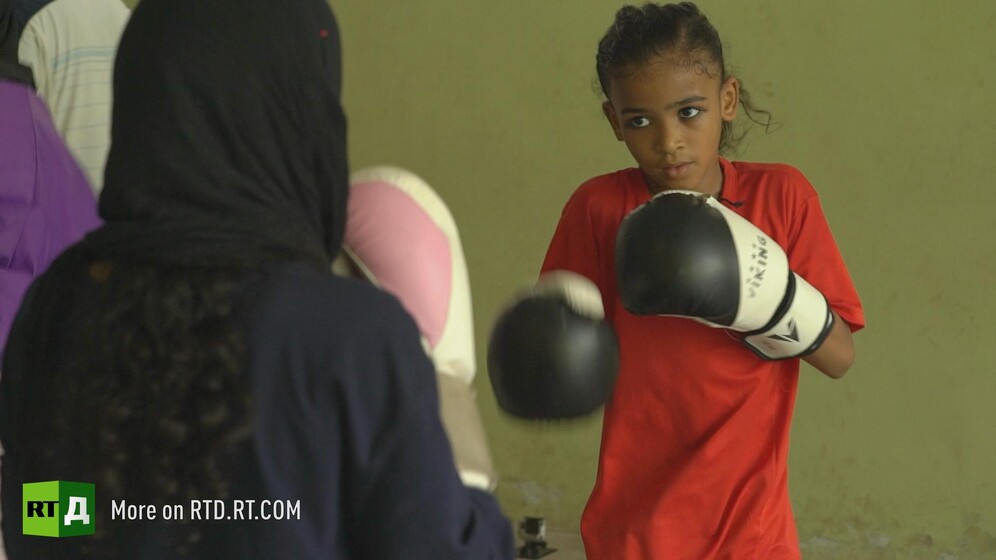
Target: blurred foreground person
45	201
197	347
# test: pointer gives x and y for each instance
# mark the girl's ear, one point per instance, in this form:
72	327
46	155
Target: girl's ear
729	98
610	114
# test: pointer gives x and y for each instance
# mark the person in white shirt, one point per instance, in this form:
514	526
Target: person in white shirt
70	46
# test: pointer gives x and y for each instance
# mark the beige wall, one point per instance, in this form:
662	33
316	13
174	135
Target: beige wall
887	107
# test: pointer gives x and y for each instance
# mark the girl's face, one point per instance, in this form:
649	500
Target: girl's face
670	114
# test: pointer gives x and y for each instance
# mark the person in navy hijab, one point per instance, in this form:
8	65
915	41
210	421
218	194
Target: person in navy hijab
197	346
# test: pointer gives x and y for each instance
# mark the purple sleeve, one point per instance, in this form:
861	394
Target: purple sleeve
45	201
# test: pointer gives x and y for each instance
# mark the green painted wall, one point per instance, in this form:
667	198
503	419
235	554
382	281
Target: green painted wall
887	107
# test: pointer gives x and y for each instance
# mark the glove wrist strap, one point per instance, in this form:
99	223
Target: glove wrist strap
799	327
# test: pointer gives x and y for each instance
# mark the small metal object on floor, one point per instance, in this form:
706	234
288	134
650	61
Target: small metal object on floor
532	531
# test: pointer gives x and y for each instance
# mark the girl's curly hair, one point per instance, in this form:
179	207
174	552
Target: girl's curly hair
638	34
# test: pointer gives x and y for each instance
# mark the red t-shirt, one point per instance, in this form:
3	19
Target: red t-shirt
693	463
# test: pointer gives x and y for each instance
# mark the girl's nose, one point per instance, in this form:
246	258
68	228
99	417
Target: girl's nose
669	139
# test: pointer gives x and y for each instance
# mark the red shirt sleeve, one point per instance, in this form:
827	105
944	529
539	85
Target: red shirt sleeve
813	254
584	241
574	246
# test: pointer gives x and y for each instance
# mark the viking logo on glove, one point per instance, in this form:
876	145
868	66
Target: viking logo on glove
759	258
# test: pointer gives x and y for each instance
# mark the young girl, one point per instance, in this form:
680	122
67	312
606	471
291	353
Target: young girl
694	451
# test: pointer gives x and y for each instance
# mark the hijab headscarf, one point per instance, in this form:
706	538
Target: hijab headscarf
10	69
228	140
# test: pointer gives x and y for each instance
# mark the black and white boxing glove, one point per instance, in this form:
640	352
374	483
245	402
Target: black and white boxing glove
684	253
551	355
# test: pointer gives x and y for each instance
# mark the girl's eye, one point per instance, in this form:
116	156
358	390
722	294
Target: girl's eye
639	122
689	112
